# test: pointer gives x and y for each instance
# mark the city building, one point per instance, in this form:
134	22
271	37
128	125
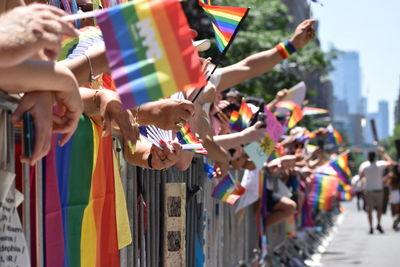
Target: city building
346	79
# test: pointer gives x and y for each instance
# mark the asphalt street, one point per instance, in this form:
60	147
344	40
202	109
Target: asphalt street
352	245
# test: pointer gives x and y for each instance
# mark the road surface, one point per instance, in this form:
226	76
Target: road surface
352	245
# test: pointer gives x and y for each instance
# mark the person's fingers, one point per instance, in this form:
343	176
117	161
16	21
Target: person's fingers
107	126
258	125
65	138
188	106
41	7
161	152
41	136
19	111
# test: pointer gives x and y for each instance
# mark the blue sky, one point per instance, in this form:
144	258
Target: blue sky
373	29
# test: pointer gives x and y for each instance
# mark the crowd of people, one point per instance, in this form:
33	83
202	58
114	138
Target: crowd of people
58	93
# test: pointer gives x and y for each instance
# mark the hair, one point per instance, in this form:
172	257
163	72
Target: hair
371	156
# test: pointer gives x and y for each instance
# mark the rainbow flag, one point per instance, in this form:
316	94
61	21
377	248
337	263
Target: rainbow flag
344	191
81	219
240	120
149	50
228	190
186	136
72	47
309	111
323	191
341	166
334	135
296	113
225	21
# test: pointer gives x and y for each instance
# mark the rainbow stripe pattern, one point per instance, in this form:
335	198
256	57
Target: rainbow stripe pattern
81	225
225	21
228	190
323	191
72	47
296	113
186	136
334	135
240	120
285	49
149	50
341	166
344	191
310	111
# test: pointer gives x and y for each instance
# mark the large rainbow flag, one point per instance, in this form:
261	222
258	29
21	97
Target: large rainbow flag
225	20
149	50
296	113
240	120
228	190
323	190
85	221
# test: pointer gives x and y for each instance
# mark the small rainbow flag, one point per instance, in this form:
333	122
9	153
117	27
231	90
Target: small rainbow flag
240	120
341	166
334	135
296	113
186	136
323	191
228	190
309	111
225	20
149	50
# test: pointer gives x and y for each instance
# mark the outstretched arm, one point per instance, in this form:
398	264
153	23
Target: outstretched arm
262	62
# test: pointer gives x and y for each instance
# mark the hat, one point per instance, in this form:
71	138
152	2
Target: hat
202	45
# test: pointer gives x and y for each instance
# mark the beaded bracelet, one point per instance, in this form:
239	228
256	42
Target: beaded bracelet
285	49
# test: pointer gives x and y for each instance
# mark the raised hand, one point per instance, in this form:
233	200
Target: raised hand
303	34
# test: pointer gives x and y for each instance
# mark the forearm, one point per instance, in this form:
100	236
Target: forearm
140	158
38	75
215	152
184	161
232	140
90	101
248	68
386	157
80	66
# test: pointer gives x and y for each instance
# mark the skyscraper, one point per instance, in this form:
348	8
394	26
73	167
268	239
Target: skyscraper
383	119
346	79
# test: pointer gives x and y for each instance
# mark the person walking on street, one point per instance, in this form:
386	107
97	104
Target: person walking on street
371	171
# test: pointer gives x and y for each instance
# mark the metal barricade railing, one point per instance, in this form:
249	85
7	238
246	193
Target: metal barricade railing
224	239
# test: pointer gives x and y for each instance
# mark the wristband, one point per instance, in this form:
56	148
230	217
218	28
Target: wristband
285	49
